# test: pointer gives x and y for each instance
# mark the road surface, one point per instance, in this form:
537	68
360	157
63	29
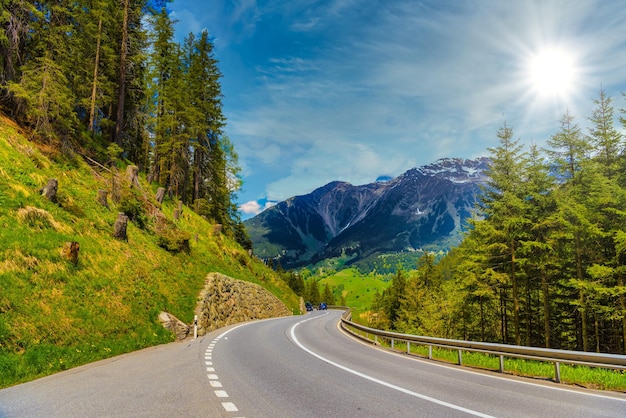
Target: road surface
292	367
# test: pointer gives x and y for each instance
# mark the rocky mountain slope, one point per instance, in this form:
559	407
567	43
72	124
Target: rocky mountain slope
425	207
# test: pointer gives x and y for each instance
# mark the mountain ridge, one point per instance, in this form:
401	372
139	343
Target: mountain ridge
424	206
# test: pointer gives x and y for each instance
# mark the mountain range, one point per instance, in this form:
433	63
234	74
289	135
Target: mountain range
424	208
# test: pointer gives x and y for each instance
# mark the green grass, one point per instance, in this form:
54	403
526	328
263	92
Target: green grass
56	315
357	289
590	377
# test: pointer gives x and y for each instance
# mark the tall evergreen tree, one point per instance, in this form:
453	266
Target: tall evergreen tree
43	92
608	200
570	155
503	204
541	269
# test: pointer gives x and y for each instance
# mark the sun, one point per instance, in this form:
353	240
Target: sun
552	73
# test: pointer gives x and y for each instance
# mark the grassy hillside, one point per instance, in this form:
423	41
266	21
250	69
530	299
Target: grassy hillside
357	289
55	314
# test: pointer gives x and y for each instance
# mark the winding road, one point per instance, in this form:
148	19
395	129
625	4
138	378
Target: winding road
292	367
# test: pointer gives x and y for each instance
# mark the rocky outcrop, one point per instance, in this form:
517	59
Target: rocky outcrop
179	328
226	301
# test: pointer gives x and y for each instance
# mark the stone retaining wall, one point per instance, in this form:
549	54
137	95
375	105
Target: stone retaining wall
226	301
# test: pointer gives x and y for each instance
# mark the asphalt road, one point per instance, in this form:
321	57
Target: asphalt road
292	367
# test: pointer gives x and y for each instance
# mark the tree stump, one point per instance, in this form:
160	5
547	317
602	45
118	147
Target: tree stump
115	190
103	198
160	194
217	230
49	191
179	211
119	228
160	221
70	251
132	174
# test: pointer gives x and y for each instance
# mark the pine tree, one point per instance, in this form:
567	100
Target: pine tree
482	284
43	90
161	63
15	26
575	232
538	247
503	204
327	295
607	199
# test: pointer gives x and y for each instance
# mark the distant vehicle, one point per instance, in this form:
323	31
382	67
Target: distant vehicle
323	306
309	307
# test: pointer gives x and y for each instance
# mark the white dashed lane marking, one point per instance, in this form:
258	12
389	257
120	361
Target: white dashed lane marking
221	394
214	378
229	407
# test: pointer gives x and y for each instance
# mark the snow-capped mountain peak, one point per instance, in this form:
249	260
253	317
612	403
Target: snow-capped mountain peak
457	170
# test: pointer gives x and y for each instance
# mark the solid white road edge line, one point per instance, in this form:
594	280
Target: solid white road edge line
381	382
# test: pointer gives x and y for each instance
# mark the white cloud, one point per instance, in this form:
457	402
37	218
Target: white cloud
255	207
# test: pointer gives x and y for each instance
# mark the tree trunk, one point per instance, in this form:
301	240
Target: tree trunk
49	191
119	120
596	327
546	309
504	324
516	324
482	319
119	228
94	87
622	302
579	276
103	198
115	189
583	320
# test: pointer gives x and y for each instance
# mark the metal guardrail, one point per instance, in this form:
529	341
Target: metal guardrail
558	357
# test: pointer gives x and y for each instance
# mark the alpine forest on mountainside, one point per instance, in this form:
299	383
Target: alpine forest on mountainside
544	263
104	79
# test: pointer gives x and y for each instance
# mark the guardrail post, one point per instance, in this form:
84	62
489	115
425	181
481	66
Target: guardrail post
430	352
408	347
460	358
501	363
375	339
392	343
557	372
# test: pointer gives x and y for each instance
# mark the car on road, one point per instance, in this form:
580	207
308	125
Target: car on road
323	306
308	306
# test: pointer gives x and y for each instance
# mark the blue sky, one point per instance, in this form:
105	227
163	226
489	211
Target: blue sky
353	90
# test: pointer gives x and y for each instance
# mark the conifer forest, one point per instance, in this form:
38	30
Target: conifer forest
105	79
